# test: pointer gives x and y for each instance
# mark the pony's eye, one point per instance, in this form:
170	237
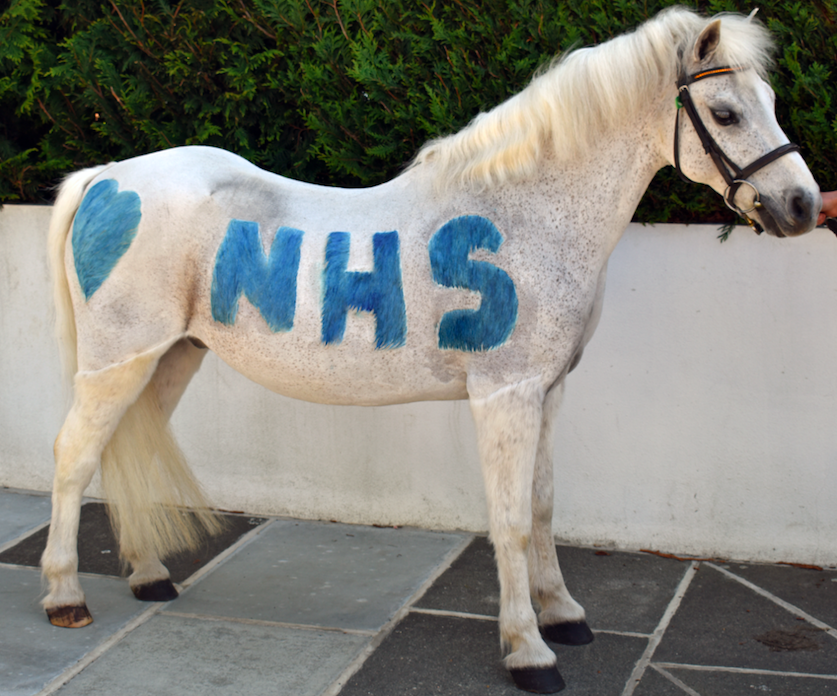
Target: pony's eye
724	118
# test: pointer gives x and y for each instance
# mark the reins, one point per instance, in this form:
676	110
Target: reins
734	176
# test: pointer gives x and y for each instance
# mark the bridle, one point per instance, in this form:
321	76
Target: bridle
734	175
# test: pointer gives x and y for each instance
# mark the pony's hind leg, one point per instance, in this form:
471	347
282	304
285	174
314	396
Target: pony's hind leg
101	399
508	425
150	580
562	619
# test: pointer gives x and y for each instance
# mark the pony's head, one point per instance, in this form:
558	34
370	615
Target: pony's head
726	134
590	91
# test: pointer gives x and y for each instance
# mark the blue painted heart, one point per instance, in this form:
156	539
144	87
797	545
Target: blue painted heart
105	225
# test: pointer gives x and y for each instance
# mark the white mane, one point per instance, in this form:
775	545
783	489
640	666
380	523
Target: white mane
585	93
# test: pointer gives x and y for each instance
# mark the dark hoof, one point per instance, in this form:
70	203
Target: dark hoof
157	591
538	680
70	617
573	633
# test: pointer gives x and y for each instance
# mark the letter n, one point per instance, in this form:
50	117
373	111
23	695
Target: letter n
268	282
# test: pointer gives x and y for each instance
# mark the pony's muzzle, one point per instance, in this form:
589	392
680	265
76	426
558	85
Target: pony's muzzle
789	218
801	210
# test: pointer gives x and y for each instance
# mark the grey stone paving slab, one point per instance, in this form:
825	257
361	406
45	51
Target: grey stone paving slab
320	574
655	684
451	656
722	623
98	550
470	585
619	591
814	591
21	512
177	656
33	652
733	684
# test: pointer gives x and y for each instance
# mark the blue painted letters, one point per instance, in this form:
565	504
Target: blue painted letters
490	325
268	282
378	291
105	225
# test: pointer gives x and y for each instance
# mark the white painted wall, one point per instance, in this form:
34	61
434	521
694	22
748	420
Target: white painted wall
700	421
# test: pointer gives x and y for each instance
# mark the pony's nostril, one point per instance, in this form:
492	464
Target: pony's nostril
800	206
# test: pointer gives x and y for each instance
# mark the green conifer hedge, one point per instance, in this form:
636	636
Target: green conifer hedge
335	91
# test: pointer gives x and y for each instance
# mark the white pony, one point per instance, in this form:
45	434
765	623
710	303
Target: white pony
479	273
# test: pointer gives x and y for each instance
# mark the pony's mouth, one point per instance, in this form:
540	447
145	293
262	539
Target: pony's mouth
797	219
765	219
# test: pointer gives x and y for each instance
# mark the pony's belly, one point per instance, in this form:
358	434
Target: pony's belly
338	375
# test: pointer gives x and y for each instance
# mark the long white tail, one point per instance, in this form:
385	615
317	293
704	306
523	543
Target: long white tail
155	503
63	211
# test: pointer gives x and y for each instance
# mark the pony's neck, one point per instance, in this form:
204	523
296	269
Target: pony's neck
601	191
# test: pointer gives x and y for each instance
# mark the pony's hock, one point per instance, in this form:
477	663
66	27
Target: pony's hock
478	273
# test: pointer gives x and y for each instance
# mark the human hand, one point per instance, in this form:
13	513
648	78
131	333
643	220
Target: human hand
829	206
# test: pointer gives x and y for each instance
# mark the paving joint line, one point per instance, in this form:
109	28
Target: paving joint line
453	614
627	634
270	624
657	636
742	670
674	680
23	537
26	491
37	569
495	619
787	606
364	654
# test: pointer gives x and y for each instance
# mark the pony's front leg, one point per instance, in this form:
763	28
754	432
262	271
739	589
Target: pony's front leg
508	425
562	619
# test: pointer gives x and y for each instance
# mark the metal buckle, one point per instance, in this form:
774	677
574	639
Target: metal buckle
731	202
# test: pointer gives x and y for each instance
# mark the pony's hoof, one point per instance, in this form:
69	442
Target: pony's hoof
571	633
538	680
157	591
70	617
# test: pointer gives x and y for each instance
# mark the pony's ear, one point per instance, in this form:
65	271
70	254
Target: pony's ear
707	42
